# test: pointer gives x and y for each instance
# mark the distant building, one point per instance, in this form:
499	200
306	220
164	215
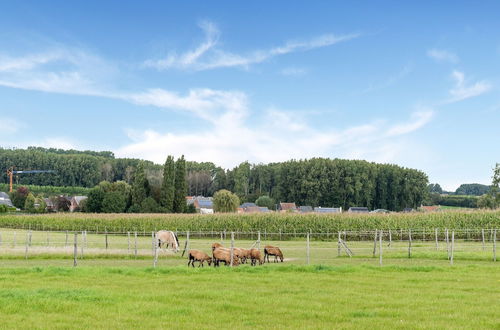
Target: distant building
408	210
433	208
75	202
5	199
328	209
252	209
50	206
358	209
245	205
201	202
264	209
305	209
288	207
379	211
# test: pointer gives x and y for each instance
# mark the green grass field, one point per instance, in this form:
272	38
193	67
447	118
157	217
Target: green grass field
278	296
114	288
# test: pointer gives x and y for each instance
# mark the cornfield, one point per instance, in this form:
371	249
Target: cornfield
271	222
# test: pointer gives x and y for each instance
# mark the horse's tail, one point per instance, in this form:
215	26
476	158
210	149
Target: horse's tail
176	240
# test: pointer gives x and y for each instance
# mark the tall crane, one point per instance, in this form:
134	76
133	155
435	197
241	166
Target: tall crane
11	172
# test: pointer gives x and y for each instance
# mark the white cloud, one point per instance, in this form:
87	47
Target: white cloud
462	91
208	56
418	119
441	55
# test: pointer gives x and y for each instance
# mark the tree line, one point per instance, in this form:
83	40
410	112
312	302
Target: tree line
315	182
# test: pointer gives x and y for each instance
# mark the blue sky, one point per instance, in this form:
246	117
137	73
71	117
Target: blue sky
415	85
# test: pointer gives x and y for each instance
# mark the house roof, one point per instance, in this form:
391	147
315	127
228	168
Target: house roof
78	199
358	209
288	206
5	200
305	208
264	209
48	202
245	205
205	204
327	209
252	209
430	208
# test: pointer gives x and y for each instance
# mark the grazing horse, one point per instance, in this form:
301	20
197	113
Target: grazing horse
168	238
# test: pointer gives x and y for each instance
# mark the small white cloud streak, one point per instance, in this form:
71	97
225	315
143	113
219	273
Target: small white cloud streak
461	91
418	120
208	56
441	55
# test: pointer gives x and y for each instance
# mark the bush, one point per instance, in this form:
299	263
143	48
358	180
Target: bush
3	208
113	202
225	201
265	201
18	197
149	205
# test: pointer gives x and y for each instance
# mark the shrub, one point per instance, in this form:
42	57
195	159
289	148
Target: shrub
149	205
3	208
113	202
265	201
225	201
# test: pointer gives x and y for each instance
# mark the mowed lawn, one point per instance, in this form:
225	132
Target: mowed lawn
281	296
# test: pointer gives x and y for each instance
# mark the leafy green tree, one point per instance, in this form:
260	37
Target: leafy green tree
93	204
18	197
113	202
167	191
475	189
40	205
140	187
435	188
495	184
149	205
225	201
180	186
29	203
265	201
486	202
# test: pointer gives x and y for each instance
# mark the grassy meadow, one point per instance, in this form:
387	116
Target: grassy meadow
280	296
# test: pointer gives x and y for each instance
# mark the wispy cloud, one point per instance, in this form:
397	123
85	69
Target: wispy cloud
462	91
406	70
294	71
418	119
441	55
208	55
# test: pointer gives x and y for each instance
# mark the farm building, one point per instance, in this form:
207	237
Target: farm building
50	206
328	209
358	209
305	209
75	202
288	207
433	208
201	204
245	205
5	200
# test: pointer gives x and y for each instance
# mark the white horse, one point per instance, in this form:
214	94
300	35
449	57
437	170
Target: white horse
168	238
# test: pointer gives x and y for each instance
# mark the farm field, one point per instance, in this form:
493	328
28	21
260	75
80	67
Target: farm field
279	296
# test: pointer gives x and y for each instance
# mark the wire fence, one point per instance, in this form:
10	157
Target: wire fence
475	244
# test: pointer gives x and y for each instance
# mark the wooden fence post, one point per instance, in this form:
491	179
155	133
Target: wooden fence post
83	243
66	241
221	238
128	242
308	248
75	250
375	243
436	236
338	245
27	244
231	254
380	247
452	246
153	245
409	243
155	255
390	238
15	239
258	240
106	239
135	244
48	238
482	238
495	245
448	243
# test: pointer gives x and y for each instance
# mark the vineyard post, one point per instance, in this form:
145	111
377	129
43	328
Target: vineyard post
231	254
380	247
135	244
436	236
308	248
75	250
390	238
128	242
482	237
375	243
66	242
409	243
452	246
258	240
338	245
495	245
